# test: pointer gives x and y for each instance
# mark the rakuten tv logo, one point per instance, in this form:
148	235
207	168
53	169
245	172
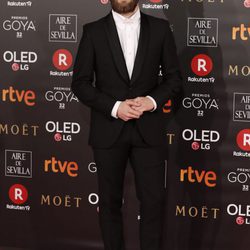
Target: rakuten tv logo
18	194
201	139
20	60
243	139
62	60
202	65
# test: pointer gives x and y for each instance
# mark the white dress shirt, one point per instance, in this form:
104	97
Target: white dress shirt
128	31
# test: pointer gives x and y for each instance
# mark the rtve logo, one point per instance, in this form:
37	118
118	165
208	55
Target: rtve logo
241	32
62	59
15	95
243	139
202	65
207	177
18	194
57	166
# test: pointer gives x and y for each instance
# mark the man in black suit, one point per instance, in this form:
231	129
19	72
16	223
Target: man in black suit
116	75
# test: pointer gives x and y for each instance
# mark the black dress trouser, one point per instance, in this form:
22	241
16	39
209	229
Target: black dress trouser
149	169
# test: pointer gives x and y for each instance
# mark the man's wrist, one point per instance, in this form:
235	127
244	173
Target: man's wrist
115	109
154	103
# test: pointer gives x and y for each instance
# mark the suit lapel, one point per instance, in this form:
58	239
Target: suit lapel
116	49
115	46
142	48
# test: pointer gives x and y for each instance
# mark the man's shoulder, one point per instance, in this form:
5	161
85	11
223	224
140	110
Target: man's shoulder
96	23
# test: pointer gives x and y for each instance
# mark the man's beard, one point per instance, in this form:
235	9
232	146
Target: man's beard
123	8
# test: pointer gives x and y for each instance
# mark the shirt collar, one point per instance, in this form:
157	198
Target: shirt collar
121	19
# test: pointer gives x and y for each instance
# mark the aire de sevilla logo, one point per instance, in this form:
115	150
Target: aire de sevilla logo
202	65
247	3
18	194
62	59
243	139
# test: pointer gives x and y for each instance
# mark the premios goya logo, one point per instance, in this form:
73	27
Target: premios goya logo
63	131
20	60
62	28
202	32
19	25
62	96
240	177
201	103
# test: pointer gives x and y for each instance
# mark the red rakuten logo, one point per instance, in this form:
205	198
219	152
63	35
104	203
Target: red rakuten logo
202	65
62	59
18	194
243	139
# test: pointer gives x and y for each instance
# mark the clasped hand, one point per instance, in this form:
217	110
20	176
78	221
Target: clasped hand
134	108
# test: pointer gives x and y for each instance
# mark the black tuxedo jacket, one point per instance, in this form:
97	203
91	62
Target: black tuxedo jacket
100	77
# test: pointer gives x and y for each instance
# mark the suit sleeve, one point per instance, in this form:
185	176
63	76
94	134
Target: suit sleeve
83	77
171	83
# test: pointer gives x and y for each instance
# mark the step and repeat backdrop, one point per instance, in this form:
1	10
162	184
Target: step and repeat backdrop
48	184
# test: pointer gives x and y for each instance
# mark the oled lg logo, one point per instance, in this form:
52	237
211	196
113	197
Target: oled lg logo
63	131
20	25
243	142
20	60
202	66
62	60
18	194
241	212
201	139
